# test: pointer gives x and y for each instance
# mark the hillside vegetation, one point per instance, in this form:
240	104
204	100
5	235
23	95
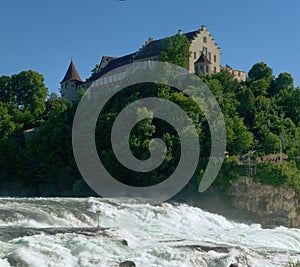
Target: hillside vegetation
41	162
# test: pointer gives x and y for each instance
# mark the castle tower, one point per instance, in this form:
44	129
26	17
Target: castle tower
202	65
70	83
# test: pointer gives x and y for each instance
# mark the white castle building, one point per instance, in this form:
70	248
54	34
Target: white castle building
205	58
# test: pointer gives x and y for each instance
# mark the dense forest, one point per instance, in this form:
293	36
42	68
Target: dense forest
40	162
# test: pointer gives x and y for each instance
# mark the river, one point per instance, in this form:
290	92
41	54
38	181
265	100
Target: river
74	232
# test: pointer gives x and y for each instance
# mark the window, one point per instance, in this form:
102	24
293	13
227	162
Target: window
215	58
195	55
196	69
209	56
205	51
215	69
204	39
66	86
206	68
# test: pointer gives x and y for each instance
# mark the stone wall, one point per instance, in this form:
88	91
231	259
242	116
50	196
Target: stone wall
69	90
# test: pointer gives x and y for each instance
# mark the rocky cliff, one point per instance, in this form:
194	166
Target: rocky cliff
273	206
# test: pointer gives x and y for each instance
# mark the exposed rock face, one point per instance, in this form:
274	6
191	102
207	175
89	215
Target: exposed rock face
274	205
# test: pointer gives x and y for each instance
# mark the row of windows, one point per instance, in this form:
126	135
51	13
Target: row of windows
101	81
201	69
67	85
237	73
72	85
114	78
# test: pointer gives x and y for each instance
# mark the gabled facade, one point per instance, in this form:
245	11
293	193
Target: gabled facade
203	44
204	59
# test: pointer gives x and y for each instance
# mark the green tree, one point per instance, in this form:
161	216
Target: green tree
292	106
226	79
175	50
272	142
47	166
239	139
259	87
9	124
259	71
95	70
284	82
246	106
29	91
6	94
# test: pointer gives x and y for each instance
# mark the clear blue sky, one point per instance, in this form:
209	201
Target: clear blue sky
44	35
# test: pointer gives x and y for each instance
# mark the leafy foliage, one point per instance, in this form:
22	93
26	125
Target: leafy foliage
175	50
272	173
256	112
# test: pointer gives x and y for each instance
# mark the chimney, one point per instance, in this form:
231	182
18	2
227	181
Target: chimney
149	41
203	28
180	32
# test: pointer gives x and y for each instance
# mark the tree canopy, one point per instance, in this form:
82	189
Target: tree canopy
175	50
41	163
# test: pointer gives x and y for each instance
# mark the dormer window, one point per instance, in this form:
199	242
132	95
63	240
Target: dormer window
204	39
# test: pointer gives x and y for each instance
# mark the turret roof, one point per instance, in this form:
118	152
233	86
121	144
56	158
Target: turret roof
72	74
202	59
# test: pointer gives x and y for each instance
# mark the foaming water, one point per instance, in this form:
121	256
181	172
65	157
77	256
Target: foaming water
104	232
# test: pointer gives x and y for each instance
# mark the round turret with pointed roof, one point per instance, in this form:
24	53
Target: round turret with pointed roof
71	83
71	74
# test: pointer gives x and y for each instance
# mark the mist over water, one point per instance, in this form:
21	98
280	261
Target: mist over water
104	232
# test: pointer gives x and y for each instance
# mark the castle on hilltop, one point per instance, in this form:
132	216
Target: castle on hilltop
204	58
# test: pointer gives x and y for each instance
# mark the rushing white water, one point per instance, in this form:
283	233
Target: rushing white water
63	232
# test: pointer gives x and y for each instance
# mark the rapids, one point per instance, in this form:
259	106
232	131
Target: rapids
74	232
